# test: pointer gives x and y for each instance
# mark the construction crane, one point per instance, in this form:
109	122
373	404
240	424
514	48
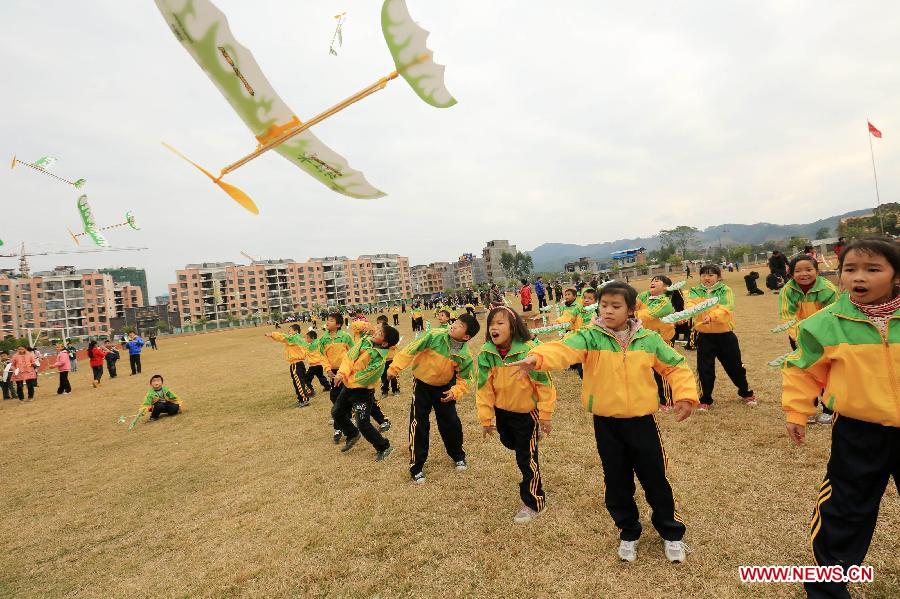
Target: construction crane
22	255
248	257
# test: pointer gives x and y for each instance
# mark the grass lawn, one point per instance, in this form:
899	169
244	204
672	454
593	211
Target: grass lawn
244	495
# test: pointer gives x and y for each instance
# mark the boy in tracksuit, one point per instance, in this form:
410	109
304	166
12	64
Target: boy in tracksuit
716	338
316	363
333	345
294	354
134	345
619	356
441	365
357	377
112	356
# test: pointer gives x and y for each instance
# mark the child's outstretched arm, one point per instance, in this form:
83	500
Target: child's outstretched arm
673	367
803	376
405	356
658	310
555	355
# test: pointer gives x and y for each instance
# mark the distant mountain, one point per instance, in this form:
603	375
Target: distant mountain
552	256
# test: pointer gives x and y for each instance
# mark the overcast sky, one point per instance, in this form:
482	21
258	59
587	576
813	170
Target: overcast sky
582	124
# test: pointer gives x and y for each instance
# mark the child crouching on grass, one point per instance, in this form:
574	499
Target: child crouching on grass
521	406
618	355
356	379
851	349
160	400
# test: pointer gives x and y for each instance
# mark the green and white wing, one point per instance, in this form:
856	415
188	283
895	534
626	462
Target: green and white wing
97	238
45	162
414	61
87	215
203	31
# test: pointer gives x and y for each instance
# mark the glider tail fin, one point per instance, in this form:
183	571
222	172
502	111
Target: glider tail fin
236	194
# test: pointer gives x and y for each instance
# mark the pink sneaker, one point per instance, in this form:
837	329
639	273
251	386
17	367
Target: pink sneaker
750	401
665	407
704	407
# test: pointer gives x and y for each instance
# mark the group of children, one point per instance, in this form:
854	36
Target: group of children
846	358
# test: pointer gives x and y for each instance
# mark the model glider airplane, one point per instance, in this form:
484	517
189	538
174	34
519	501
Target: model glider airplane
203	30
90	225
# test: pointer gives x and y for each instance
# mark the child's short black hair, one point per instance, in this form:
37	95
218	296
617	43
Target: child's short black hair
311	334
662	278
445	311
338	318
472	326
157	376
628	292
519	330
591	291
801	258
391	335
296	328
712	269
382	318
874	246
570	290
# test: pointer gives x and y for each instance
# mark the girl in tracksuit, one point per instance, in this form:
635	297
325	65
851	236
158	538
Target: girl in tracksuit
805	294
619	391
652	305
521	406
851	349
716	338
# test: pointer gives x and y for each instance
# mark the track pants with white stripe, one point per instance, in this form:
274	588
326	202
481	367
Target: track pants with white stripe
298	379
425	399
629	447
519	432
864	455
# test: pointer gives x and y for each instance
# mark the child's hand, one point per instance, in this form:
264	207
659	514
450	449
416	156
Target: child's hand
338	380
706	319
523	367
546	427
487	431
447	396
683	410
796	433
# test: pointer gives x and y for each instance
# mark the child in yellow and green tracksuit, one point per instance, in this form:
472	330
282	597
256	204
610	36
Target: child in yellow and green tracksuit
716	338
652	305
295	351
805	294
316	362
521	406
619	391
441	365
160	400
333	344
357	377
386	383
577	314
851	350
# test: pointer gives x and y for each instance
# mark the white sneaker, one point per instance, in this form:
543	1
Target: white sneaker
824	418
811	419
419	478
525	515
628	550
461	465
675	551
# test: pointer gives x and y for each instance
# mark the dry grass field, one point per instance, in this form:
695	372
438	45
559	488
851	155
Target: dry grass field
244	495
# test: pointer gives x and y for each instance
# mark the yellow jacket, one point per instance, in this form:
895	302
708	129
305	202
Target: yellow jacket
499	387
333	347
571	313
841	351
435	362
721	315
293	352
619	383
649	310
362	365
795	304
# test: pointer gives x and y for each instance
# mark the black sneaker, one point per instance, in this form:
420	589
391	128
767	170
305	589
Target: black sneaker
337	436
385	426
419	478
383	455
350	442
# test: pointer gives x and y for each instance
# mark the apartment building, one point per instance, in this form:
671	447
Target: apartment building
125	296
491	254
266	288
428	279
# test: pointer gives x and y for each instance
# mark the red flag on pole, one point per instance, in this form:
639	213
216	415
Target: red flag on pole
874	131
